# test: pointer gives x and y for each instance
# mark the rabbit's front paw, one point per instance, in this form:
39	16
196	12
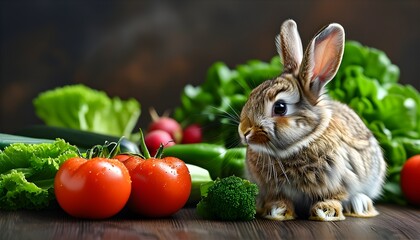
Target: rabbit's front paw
279	210
328	210
359	205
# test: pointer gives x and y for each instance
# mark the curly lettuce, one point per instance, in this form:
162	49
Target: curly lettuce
368	82
80	107
27	173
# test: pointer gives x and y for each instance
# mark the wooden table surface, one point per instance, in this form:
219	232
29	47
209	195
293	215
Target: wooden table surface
394	222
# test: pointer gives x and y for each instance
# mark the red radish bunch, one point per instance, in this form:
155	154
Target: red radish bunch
166	124
155	138
167	131
192	134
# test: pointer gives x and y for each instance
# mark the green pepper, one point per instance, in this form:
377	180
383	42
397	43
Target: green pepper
218	160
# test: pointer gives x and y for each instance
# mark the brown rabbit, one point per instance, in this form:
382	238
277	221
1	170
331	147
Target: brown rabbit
309	155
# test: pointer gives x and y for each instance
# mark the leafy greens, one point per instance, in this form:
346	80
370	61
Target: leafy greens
368	82
27	173
80	107
216	104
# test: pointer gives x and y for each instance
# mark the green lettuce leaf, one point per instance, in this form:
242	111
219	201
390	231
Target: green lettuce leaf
27	173
368	82
83	108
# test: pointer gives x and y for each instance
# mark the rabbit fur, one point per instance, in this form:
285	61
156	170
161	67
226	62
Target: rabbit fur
310	156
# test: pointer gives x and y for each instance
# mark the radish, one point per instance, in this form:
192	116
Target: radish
192	134
155	138
166	124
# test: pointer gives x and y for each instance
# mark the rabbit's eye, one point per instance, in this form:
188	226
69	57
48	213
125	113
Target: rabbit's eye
279	108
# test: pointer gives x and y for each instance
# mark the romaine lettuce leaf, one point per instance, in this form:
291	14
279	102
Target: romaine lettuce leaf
368	82
83	108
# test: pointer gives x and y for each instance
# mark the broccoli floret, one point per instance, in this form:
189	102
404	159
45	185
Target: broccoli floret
231	198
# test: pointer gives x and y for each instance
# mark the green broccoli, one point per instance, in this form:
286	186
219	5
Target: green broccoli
231	198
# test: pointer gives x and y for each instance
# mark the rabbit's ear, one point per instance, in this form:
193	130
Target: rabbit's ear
322	59
289	47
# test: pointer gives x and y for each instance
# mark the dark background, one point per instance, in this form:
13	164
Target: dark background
150	49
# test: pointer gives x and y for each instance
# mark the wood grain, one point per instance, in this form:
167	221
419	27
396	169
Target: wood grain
394	222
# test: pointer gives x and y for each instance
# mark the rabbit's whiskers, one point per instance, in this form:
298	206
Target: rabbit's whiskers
233	116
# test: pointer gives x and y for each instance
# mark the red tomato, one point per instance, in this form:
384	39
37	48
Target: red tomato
122	157
97	188
160	187
410	180
131	163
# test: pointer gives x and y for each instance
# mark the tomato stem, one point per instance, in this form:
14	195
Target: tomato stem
116	149
91	153
143	147
159	152
108	150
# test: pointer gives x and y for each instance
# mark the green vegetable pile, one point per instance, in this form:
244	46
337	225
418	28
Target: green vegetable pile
367	81
27	173
217	103
80	107
231	199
